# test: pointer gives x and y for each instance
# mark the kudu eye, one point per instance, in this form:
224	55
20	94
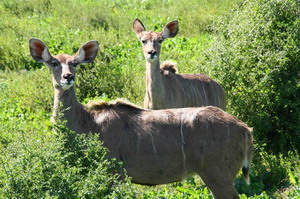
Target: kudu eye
160	41
74	64
55	63
144	41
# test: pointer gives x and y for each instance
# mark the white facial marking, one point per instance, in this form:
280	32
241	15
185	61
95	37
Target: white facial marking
153	59
66	85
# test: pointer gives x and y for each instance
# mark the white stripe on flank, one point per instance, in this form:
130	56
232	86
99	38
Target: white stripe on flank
199	95
218	97
153	145
194	91
183	143
214	103
182	86
204	94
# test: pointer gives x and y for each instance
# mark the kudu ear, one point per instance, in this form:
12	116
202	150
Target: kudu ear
170	30
88	52
138	26
39	51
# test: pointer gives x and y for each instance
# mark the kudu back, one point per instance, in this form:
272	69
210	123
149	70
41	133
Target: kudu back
156	146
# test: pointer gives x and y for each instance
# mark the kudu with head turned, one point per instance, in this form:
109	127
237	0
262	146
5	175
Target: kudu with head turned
164	87
156	146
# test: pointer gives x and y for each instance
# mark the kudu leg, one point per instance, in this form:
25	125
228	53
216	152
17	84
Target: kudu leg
221	188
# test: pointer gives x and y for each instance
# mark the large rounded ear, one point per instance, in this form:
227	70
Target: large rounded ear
138	26
170	30
39	51
88	52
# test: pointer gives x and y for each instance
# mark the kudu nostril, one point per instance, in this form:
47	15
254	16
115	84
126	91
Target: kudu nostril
152	52
68	77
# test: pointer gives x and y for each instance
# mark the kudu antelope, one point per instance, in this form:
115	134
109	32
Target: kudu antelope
156	146
165	88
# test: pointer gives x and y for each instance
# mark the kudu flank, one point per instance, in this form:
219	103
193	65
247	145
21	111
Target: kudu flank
156	146
165	88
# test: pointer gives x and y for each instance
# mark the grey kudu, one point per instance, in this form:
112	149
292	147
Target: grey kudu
156	146
165	88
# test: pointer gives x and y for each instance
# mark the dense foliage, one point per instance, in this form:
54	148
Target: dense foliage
62	166
256	57
253	51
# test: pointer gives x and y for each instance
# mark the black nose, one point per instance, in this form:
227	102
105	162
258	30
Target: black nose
68	77
152	53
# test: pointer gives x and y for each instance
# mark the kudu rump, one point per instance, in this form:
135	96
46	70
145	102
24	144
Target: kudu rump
165	88
156	146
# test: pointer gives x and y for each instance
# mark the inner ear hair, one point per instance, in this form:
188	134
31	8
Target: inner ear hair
171	29
88	52
138	26
39	50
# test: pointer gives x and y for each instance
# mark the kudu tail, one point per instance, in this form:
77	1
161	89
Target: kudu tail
169	66
248	155
246	174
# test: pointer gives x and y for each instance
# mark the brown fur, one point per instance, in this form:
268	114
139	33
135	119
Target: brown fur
163	146
164	88
98	105
168	66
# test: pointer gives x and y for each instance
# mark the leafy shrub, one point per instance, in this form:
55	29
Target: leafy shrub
61	166
256	58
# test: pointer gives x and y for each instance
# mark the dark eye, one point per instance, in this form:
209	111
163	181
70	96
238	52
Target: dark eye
74	64
160	41
144	41
55	63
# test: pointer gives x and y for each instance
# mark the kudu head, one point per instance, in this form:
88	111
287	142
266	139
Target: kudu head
151	41
63	65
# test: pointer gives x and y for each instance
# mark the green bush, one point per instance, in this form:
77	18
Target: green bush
61	166
256	58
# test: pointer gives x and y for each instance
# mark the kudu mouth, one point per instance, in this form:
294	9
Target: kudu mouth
152	58
66	84
67	81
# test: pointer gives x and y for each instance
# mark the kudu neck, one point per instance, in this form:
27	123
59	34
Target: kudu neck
67	98
155	87
63	101
66	103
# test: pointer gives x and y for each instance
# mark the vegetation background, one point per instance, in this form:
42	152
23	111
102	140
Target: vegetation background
251	47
